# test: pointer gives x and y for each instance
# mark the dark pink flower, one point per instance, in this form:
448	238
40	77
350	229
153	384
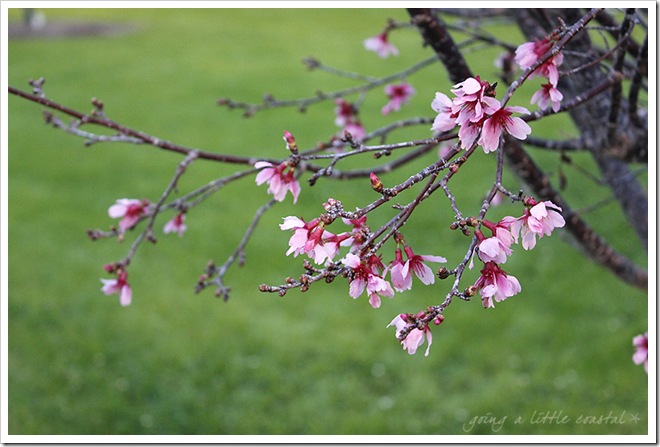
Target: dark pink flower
500	121
415	337
494	283
529	53
548	94
539	220
381	46
399	94
130	211
279	179
176	225
119	286
344	112
641	355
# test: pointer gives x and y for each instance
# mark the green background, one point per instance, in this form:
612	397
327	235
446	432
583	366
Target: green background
316	363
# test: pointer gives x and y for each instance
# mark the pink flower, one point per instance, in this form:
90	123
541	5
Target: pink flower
471	100
346	117
497	247
399	94
401	273
364	276
380	45
130	211
641	355
312	239
500	121
176	225
118	285
279	181
344	112
415	337
446	119
539	220
548	94
529	53
494	283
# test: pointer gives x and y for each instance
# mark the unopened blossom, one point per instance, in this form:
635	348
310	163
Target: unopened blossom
548	94
500	121
364	277
290	141
280	179
381	46
176	225
446	119
130	211
641	355
356	130
398	94
539	220
120	286
415	337
495	283
528	54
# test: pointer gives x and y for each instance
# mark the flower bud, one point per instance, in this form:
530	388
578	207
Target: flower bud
376	184
290	142
443	273
439	319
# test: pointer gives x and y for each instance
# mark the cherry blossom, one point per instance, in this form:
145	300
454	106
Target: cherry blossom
415	337
401	273
381	46
346	117
344	112
539	220
529	53
130	211
494	283
548	94
118	285
279	181
312	239
176	225
399	94
641	355
492	249
446	119
365	276
500	121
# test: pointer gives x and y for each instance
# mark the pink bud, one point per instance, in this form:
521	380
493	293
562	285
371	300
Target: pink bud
290	142
376	184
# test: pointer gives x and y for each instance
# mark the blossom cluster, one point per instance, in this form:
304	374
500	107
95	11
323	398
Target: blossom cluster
527	55
494	284
478	114
366	271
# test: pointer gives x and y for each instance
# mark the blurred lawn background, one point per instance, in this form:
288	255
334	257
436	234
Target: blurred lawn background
317	363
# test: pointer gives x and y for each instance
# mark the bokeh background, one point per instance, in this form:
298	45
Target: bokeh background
315	363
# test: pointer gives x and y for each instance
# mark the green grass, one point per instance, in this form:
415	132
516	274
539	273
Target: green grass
316	363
